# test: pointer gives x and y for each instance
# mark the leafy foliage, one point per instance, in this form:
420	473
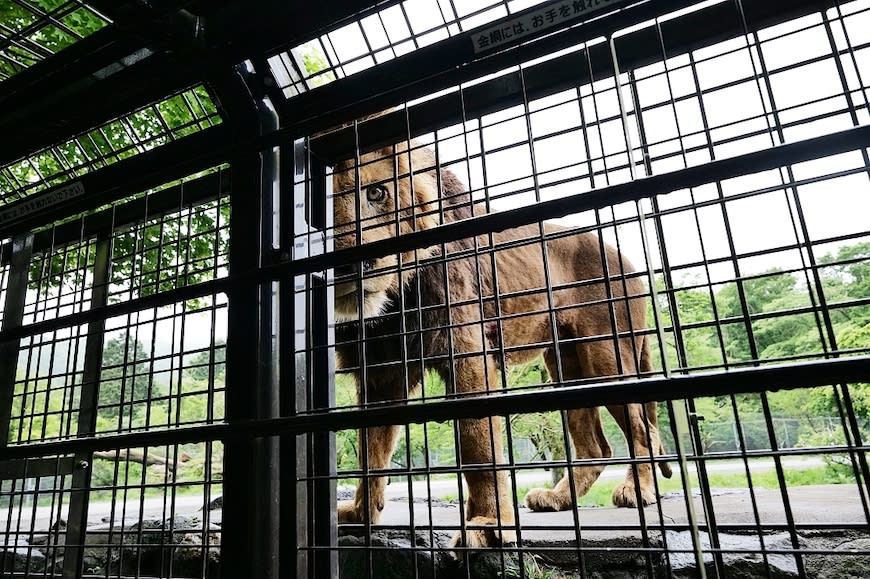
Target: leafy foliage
166	253
803	417
314	60
136	392
133	396
39	35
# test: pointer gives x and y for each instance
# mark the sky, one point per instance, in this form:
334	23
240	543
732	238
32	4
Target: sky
834	206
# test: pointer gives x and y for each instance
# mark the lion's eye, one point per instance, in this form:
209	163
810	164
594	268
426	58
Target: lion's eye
376	193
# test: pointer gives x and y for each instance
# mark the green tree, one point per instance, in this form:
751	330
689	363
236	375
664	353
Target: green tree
775	336
125	376
846	276
41	409
198	367
314	60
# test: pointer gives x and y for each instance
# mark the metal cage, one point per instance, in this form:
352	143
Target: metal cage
341	291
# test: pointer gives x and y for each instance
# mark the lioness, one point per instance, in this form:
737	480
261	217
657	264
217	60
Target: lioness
450	312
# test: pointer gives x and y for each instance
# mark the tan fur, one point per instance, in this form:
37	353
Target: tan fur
437	296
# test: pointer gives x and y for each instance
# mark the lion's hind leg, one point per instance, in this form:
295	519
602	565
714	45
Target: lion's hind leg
639	483
588	440
589	443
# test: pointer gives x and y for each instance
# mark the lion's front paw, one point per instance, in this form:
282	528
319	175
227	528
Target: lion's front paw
624	495
347	512
351	512
546	500
484	538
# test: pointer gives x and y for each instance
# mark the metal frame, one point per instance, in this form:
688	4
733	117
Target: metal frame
279	433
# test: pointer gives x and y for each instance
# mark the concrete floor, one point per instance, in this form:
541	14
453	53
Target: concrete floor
810	505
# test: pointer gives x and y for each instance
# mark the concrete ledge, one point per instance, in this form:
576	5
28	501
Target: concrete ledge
832	531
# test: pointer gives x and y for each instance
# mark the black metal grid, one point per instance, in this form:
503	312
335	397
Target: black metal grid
142	510
668	163
382	36
4	274
33	30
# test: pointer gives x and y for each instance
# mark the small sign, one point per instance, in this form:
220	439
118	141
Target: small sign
42	201
544	18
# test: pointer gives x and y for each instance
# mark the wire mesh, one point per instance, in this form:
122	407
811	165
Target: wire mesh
143	511
496	255
381	37
32	500
759	269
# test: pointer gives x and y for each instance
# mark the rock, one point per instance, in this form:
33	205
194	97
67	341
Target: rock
491	564
216	504
738	565
21	556
149	547
839	565
621	554
393	556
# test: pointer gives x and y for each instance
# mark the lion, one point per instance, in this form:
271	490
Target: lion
453	307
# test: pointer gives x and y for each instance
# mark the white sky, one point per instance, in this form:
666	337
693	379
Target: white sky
831	207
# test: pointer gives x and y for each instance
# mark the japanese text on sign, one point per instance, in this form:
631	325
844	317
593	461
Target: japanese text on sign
549	16
40	202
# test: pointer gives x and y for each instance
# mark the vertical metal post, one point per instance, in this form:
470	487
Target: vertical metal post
87	421
292	365
268	399
308	506
322	496
251	470
13	317
242	478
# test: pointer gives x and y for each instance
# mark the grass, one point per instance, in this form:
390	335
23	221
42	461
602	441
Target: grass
533	570
600	493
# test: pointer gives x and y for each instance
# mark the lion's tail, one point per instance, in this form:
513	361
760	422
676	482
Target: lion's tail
646	367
